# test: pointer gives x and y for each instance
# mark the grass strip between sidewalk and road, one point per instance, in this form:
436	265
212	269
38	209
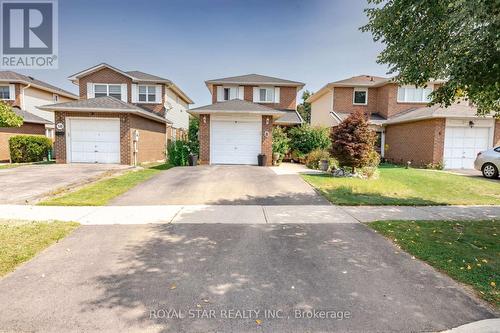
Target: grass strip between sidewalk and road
407	187
468	251
101	192
22	240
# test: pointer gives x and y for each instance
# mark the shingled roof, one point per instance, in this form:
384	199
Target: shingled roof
236	105
29	117
13	77
254	79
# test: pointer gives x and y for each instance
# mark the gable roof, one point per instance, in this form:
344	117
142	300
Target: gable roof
236	105
29	117
256	79
13	77
103	104
135	76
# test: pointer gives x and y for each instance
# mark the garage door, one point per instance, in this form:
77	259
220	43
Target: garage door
461	145
94	140
235	141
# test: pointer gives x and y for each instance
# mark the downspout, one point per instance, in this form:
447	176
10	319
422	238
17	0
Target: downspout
22	95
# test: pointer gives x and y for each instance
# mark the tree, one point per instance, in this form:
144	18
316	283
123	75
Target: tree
455	40
353	142
8	118
304	108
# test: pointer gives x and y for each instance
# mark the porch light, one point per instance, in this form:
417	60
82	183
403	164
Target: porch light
471	124
267	121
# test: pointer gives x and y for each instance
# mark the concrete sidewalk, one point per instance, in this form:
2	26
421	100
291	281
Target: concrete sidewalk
244	214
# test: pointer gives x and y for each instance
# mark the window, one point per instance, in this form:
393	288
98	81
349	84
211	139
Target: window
360	96
4	92
147	94
266	95
412	94
227	92
113	90
55	98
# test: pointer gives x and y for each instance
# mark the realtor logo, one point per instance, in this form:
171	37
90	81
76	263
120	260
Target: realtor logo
29	34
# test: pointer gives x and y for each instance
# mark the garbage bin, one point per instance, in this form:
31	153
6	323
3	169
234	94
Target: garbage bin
262	159
192	160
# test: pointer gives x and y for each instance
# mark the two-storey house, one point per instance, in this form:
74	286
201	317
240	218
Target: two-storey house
237	126
24	94
409	130
121	117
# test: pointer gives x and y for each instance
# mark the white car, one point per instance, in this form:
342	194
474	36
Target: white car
488	162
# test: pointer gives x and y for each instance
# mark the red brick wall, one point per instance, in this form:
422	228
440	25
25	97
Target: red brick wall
152	139
204	137
496	136
267	139
420	142
104	75
157	108
17	98
7	132
388	105
343	98
288	97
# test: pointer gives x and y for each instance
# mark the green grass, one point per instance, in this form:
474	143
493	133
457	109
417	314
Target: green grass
468	251
407	187
22	240
101	192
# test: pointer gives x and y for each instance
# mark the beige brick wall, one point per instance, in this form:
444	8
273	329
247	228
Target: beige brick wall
204	138
420	142
152	139
267	139
8	132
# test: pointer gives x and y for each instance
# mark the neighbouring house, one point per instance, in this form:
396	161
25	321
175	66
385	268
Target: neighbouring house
25	94
124	117
237	126
408	129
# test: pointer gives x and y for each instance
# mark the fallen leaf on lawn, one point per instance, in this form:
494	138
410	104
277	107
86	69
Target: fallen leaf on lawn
484	260
493	284
258	321
468	266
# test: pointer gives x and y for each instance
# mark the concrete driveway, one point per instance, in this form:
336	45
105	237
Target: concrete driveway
222	185
152	278
27	184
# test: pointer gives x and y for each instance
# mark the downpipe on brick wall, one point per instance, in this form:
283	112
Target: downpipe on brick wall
136	150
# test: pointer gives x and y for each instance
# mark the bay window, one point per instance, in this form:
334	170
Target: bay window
412	94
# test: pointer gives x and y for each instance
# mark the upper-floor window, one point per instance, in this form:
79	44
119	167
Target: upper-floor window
55	98
266	95
113	90
147	94
4	92
227	94
412	94
360	96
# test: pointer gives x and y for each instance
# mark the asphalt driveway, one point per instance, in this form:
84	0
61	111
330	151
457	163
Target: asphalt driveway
161	278
222	185
27	184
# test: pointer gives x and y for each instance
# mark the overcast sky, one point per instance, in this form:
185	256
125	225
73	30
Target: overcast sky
190	41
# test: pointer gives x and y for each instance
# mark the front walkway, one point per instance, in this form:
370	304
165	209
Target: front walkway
244	214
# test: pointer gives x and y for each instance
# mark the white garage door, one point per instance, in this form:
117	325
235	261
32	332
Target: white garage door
235	141
461	145
94	140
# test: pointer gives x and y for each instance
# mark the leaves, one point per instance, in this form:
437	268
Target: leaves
8	118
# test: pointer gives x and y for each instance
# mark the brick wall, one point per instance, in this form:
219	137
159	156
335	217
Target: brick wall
267	139
387	104
343	97
496	136
7	132
104	75
125	138
420	142
17	98
152	139
156	108
288	97
204	138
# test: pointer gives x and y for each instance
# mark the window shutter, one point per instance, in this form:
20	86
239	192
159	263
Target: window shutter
276	94
12	92
241	93
220	94
90	90
134	96
124	93
158	94
256	94
233	93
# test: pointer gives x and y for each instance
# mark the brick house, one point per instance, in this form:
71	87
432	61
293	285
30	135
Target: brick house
408	129
25	94
237	126
121	117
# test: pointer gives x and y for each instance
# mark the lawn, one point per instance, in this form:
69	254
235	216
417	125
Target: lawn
468	251
101	192
22	240
408	187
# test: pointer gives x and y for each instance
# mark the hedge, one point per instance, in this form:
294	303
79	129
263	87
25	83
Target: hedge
178	152
29	148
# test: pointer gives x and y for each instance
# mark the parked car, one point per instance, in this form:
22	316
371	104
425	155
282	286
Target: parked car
488	162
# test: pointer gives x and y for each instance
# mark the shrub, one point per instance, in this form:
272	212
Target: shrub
314	157
194	144
280	142
306	138
8	118
29	148
353	142
178	152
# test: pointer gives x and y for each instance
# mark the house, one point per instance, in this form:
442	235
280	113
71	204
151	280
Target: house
24	94
237	126
408	129
123	117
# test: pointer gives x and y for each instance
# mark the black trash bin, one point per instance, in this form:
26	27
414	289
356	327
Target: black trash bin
192	160
262	159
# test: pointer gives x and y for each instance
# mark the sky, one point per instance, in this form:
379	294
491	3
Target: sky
190	41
